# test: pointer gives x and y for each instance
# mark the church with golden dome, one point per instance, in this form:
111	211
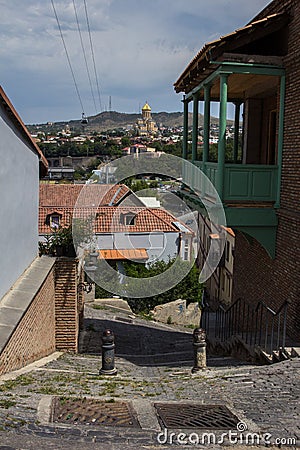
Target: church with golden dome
146	126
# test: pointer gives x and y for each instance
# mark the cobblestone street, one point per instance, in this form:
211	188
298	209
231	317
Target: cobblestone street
154	364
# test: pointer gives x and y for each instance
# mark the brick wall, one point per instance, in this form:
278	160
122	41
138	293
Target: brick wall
34	337
51	321
68	305
256	275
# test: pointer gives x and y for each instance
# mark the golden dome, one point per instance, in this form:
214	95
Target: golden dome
146	107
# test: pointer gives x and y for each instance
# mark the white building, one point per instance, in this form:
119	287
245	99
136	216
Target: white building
21	163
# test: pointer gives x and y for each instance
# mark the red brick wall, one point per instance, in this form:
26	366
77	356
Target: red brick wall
256	275
52	320
34	337
68	305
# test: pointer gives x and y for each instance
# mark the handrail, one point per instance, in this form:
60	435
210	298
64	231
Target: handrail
286	302
256	325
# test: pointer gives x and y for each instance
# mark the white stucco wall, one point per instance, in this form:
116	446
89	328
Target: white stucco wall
19	169
159	245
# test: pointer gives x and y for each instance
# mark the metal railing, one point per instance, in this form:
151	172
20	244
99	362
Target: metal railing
257	325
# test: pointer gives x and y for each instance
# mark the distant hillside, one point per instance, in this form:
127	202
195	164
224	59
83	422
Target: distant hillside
108	120
113	119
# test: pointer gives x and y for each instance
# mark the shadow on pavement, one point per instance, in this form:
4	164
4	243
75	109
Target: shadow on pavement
141	345
144	345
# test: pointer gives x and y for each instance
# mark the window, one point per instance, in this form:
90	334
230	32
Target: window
53	220
128	219
186	251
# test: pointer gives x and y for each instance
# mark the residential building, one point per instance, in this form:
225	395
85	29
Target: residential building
22	163
121	221
219	285
40	306
255	68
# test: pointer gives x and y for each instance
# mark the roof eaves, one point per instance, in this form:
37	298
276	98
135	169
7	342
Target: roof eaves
20	125
208	47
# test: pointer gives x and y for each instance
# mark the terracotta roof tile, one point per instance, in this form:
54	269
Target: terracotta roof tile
110	219
85	195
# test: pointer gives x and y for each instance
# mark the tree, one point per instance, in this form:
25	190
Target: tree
188	288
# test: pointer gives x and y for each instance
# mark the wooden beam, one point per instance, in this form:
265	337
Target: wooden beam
258	59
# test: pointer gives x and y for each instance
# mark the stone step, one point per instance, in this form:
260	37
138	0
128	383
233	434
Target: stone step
295	352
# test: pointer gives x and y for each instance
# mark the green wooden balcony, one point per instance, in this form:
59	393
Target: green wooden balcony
249	195
242	182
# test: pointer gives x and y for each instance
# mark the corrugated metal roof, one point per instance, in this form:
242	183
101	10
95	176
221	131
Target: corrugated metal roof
114	254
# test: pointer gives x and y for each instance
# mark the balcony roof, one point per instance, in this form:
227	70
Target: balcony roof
231	47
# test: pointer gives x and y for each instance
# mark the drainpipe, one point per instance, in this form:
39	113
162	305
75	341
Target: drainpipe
222	134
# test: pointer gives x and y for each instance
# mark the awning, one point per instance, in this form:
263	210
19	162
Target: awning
123	254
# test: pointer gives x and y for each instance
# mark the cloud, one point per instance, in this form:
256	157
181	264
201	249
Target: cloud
140	49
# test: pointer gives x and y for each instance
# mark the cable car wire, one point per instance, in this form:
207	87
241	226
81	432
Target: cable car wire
68	58
84	55
92	52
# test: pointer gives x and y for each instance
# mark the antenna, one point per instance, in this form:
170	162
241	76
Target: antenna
109	104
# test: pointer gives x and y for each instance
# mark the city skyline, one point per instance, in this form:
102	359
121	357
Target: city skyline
140	49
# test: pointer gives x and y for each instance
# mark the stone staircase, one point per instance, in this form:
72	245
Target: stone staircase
256	334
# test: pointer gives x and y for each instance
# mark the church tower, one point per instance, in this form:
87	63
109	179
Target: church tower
146	112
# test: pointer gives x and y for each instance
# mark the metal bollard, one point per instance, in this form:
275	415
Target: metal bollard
199	345
108	354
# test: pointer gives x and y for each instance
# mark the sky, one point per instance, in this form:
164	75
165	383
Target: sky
140	48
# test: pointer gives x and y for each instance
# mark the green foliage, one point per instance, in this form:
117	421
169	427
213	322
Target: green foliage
140	185
213	151
59	243
188	288
125	141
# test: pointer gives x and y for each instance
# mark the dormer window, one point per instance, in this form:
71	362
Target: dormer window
53	220
128	219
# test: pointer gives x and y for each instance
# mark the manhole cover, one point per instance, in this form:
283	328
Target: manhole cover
200	416
93	412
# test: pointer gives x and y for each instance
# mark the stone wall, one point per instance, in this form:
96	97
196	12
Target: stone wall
34	335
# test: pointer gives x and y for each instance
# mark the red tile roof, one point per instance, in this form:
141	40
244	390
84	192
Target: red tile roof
146	220
99	203
86	195
110	219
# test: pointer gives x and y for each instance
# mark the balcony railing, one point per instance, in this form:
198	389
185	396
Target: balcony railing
242	182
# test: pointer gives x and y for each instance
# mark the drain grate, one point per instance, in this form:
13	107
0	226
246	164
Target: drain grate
216	417
93	412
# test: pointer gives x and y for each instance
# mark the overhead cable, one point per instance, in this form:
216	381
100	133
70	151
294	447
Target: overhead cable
84	55
92	52
68	58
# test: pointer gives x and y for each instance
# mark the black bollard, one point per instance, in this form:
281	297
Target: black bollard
108	354
199	345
